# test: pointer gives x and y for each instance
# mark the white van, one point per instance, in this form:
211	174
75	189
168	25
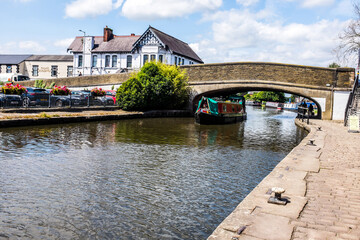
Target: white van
12	77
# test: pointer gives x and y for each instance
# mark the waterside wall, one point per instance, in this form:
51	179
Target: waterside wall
254	217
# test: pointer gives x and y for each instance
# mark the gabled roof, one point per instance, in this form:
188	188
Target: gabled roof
65	58
127	44
117	44
12	59
175	45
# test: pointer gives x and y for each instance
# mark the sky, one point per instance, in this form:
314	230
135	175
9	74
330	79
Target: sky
301	32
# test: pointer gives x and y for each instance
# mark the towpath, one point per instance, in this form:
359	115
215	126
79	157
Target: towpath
322	183
333	193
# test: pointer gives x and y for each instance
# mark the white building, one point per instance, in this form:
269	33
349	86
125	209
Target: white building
114	54
37	66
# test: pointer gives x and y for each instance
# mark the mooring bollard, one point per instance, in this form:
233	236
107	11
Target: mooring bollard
311	142
277	198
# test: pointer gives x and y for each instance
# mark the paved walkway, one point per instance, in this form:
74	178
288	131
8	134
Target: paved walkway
333	207
322	182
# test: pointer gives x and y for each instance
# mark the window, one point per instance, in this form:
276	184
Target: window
129	61
114	61
182	61
146	58
160	58
152	57
80	61
179	61
94	61
107	61
69	71
8	69
54	71
35	70
175	60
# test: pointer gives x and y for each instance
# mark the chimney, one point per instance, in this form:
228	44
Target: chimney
108	34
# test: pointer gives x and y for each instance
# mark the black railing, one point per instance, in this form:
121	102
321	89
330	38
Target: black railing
303	114
54	101
351	99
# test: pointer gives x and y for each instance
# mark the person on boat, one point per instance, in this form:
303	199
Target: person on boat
205	105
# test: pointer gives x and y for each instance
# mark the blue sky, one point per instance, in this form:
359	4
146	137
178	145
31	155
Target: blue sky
287	31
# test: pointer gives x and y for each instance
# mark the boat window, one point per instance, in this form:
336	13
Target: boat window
224	108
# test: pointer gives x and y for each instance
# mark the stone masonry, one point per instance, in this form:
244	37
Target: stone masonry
322	183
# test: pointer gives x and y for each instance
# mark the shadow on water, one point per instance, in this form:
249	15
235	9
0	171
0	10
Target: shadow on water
135	179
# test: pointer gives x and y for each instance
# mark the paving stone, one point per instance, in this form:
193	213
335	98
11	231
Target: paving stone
348	236
331	172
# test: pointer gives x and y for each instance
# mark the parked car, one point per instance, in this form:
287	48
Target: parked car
112	94
64	100
35	97
87	98
7	100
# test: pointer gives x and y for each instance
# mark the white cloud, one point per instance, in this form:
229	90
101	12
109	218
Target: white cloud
64	43
247	3
90	8
244	36
317	3
155	9
31	45
23	47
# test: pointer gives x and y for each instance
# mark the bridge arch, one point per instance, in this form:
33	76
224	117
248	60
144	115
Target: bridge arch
228	90
315	83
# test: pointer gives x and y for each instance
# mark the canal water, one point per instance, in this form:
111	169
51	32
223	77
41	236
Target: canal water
135	179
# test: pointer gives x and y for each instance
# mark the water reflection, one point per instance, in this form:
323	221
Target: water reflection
135	179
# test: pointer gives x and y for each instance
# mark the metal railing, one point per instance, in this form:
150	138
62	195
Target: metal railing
53	101
350	102
303	114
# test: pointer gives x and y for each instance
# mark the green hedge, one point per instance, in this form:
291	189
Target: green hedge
157	86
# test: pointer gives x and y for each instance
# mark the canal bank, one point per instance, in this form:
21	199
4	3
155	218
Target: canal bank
321	179
33	117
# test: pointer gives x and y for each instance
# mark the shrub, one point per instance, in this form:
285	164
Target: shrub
98	92
58	90
13	89
39	83
156	86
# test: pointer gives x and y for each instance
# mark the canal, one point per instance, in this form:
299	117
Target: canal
164	178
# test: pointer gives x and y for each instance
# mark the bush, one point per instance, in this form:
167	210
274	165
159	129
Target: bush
58	90
157	86
39	83
13	89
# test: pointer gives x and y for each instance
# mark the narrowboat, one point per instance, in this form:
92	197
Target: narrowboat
210	111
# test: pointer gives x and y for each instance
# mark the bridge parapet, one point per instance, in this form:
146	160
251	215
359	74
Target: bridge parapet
277	72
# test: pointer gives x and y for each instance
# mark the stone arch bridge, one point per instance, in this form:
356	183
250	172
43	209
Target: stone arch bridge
328	88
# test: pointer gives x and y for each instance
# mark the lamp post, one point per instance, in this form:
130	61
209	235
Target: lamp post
83	62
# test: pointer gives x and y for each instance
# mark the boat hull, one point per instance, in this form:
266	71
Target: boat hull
209	119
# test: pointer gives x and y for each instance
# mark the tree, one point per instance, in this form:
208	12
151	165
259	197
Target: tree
155	86
334	65
268	96
350	38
